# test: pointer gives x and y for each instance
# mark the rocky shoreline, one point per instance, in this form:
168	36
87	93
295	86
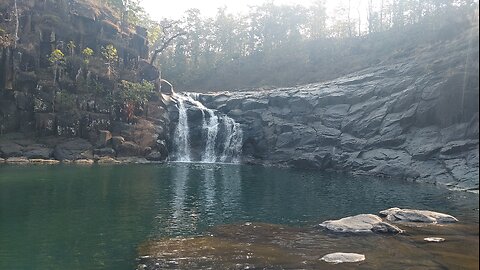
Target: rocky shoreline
415	118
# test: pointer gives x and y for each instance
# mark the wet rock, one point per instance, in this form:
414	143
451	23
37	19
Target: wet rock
17	160
44	161
156	156
84	161
10	149
364	223
73	149
107	160
422	216
133	160
339	257
38	151
104	152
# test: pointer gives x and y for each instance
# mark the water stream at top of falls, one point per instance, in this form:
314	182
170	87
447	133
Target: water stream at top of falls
215	149
17	23
182	136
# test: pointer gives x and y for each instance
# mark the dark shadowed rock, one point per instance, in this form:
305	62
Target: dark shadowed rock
73	149
104	152
104	137
38	151
130	149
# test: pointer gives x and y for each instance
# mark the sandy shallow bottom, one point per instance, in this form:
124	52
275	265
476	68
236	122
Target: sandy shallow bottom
268	246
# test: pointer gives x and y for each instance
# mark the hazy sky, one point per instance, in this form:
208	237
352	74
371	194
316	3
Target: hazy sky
174	9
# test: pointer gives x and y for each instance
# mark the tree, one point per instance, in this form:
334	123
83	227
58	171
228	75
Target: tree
57	60
110	56
71	47
318	20
87	53
170	30
132	95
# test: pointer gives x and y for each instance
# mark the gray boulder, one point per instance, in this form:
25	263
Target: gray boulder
411	215
364	223
38	151
340	257
73	149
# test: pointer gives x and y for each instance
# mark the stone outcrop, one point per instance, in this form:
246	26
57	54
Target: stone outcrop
365	223
412	215
75	107
414	118
340	257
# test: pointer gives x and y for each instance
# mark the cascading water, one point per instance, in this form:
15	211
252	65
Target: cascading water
227	150
17	24
233	141
182	133
212	131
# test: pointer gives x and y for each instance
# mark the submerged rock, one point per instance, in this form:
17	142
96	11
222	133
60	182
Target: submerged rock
340	257
364	223
411	215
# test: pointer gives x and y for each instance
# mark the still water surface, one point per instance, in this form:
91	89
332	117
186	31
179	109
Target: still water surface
97	217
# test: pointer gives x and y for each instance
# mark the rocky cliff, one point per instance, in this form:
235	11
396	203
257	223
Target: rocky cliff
61	64
414	116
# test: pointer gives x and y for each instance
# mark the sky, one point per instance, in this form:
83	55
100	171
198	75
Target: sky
174	9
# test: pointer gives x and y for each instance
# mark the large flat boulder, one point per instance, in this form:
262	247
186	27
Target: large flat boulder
422	216
340	257
364	223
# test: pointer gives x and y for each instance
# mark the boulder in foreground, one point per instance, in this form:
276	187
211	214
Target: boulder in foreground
422	216
364	223
343	258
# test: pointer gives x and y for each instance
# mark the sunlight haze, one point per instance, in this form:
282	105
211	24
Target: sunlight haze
175	9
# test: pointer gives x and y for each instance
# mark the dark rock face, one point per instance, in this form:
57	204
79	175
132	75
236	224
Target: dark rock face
73	104
407	120
73	149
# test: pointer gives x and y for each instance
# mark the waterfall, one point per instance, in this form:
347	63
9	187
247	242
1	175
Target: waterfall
217	148
17	23
182	136
233	141
212	131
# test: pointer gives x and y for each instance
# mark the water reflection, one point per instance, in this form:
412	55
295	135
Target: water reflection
202	195
67	217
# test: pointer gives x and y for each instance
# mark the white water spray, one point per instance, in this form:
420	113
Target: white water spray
211	121
182	133
17	23
233	141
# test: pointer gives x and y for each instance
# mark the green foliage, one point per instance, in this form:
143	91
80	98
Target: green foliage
65	101
56	57
300	44
110	53
87	54
135	93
